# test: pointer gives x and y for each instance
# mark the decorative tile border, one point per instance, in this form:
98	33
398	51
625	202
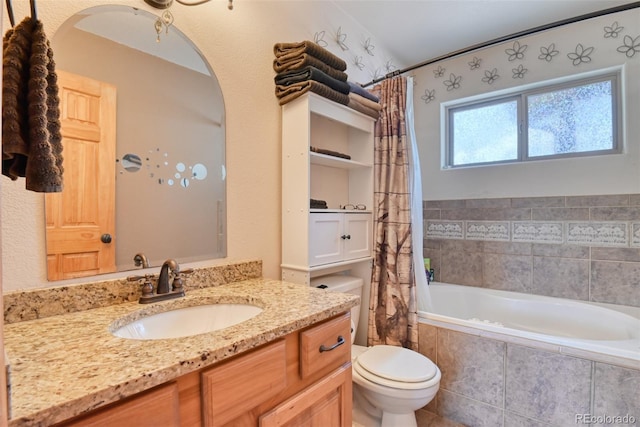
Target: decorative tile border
487	230
537	232
598	233
635	234
590	233
444	229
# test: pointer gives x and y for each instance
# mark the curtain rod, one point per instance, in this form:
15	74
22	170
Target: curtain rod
507	38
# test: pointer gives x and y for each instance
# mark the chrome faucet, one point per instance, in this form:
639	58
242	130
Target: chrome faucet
163	291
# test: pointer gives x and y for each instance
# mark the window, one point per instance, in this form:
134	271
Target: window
574	118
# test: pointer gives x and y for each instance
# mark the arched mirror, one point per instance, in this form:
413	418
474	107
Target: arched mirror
165	110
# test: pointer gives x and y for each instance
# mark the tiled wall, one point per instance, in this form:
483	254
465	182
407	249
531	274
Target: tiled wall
488	382
577	247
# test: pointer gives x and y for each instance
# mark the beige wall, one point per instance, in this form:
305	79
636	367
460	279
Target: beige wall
596	175
239	47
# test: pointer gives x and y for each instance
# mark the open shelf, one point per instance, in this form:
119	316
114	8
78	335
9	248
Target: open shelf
336	162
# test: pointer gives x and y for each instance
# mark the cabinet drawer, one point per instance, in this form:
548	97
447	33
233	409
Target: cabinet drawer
320	345
234	388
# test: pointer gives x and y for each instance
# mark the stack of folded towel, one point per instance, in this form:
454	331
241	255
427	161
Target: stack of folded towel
317	204
306	66
364	101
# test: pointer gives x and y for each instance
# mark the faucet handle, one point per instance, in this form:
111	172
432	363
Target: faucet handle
147	285
177	283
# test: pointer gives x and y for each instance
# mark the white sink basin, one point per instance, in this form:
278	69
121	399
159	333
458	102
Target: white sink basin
185	322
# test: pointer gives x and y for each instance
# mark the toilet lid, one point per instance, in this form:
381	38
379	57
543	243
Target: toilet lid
397	364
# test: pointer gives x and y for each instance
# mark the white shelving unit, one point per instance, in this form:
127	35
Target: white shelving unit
316	242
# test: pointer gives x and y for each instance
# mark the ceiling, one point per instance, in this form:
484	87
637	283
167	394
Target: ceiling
414	31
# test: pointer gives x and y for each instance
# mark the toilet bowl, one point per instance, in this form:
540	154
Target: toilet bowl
389	383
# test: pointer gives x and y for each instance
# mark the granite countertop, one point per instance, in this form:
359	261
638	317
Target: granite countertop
66	365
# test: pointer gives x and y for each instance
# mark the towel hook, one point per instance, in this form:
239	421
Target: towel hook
34	12
10	12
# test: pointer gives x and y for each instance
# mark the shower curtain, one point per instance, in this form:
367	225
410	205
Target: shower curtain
393	318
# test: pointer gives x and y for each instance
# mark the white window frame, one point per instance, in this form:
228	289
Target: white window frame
520	94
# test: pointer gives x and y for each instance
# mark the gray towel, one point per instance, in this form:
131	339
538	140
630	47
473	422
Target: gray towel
304	60
310	73
356	88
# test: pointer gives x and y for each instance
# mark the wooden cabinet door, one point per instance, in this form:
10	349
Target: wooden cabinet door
242	384
325	403
157	407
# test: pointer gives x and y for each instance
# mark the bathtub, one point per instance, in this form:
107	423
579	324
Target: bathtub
566	326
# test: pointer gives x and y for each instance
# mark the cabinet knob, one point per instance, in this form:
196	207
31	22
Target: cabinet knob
346	237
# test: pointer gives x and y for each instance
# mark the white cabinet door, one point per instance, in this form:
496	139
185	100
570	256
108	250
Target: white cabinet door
325	242
335	237
358	229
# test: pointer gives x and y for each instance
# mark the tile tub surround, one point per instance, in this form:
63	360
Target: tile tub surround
39	303
577	247
65	365
493	383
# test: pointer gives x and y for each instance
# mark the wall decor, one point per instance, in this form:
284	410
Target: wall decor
368	47
580	55
577	51
429	95
389	67
453	82
318	39
612	30
516	52
475	63
341	39
490	76
547	53
630	47
519	72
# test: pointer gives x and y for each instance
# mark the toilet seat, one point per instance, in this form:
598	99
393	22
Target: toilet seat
395	367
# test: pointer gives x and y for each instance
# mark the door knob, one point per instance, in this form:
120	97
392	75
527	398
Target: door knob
346	237
105	238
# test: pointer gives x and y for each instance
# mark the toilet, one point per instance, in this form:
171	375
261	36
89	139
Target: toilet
389	383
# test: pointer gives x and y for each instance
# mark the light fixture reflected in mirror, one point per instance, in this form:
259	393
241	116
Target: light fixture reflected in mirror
165	20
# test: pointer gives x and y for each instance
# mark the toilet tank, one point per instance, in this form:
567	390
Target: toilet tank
342	283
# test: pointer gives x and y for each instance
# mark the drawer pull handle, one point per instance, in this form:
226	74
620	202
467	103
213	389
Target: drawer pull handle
337	344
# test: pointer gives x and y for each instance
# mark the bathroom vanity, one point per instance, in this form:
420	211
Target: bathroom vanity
269	370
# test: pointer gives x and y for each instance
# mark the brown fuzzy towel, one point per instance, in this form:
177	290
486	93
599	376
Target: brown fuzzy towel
289	93
288	51
31	139
306	60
